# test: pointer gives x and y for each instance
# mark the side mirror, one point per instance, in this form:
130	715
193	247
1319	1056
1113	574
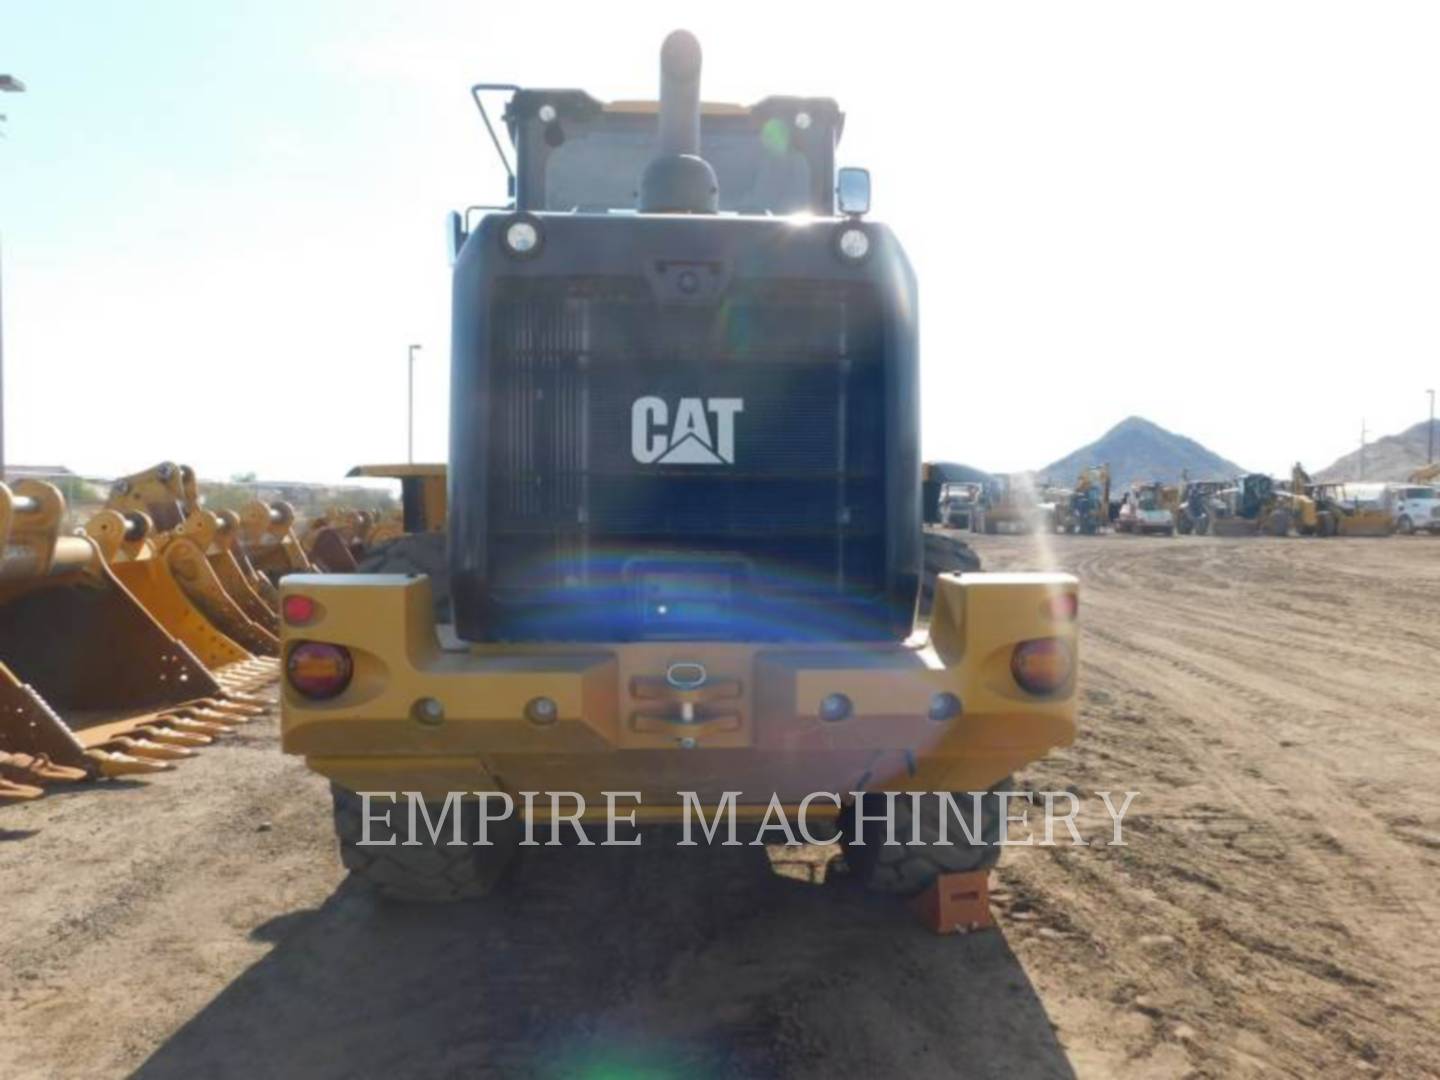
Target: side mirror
852	191
454	235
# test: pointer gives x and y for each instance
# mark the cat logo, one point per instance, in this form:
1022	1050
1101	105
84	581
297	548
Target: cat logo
691	439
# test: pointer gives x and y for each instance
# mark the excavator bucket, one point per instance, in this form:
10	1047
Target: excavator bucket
87	677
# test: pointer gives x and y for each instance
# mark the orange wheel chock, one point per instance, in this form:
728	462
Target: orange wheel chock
956	903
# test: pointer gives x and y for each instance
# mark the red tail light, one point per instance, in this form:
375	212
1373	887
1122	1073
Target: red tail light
319	670
298	610
1043	666
1064	606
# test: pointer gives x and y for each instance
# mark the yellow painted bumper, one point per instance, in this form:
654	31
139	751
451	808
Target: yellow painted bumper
424	716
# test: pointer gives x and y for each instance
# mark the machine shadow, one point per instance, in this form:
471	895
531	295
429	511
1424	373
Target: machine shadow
649	961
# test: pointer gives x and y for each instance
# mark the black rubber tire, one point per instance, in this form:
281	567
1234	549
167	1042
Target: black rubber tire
1278	523
902	870
944	554
415	553
1405	526
430	873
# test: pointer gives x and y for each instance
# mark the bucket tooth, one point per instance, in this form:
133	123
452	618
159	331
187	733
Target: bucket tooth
202	727
233	711
112	763
145	748
38	769
240	708
171	737
10	791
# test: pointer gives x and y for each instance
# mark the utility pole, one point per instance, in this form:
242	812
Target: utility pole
1430	453
2	363
9	85
410	410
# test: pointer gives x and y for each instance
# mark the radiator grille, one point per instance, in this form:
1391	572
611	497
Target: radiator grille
795	518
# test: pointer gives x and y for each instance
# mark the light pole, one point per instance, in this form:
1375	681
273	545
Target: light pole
410	410
10	85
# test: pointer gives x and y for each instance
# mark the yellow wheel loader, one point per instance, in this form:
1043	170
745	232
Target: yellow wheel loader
1336	509
1011	503
685	538
423	501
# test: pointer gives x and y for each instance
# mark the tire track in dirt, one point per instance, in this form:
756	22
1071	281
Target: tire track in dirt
1279	775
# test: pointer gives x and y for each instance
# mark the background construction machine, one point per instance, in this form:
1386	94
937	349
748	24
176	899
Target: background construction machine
1248	506
1144	510
1011	503
1358	509
1334	509
1192	510
957	503
685	536
1086	508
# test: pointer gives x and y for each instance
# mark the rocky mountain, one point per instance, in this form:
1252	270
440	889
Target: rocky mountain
1137	449
1394	457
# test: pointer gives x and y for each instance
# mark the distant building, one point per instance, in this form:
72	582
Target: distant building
35	472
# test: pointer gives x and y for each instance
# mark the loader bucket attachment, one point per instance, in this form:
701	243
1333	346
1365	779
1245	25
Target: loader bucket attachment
1234	526
29	726
127	548
188	565
217	538
330	553
231	534
160	492
84	662
1362	523
268	532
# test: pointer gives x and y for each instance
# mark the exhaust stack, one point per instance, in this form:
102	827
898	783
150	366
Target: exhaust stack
678	180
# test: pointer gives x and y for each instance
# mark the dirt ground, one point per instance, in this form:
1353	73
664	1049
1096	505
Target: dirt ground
1274	703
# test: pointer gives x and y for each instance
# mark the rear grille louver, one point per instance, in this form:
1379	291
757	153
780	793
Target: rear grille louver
795	524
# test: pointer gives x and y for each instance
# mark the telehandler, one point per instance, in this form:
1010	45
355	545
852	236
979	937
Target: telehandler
684	518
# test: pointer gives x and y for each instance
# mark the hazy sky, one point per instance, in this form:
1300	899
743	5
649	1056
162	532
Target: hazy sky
222	223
